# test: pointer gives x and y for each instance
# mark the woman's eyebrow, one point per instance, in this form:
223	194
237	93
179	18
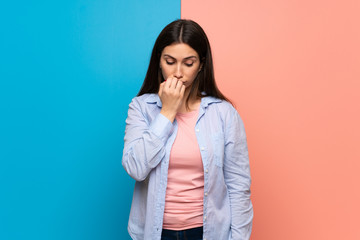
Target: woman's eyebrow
189	57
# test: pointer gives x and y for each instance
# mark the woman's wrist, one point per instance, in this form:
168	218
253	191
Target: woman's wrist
168	114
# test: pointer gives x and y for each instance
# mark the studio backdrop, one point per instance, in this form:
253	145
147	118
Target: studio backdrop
69	69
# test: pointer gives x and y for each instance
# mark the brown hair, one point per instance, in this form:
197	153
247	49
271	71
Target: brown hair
190	33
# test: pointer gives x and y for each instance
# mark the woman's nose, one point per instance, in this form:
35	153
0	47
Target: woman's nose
178	73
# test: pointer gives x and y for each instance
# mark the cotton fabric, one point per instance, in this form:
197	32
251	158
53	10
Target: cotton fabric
227	211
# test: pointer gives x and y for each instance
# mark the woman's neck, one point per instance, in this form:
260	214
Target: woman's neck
193	102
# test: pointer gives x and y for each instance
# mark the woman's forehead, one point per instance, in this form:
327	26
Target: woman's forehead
179	50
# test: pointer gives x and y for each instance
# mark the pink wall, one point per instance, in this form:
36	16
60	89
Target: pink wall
292	69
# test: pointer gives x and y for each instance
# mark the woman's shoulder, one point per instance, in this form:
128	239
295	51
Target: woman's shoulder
218	103
146	98
222	109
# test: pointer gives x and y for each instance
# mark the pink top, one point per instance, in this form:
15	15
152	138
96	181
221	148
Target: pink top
185	187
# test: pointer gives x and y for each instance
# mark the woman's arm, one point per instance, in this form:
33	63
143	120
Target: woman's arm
144	142
237	176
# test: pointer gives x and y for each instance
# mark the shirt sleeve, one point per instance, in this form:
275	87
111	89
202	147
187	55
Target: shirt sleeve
144	141
237	176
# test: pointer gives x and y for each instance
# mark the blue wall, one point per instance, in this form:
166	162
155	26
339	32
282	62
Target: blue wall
68	70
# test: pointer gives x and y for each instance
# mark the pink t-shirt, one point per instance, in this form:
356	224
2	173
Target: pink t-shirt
185	187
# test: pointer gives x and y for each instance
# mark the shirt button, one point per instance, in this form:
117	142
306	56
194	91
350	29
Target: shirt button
197	130
202	148
206	170
204	218
206	194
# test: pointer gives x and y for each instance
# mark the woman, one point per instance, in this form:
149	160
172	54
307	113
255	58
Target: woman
185	146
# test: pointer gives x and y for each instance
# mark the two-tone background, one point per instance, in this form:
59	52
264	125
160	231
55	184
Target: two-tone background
68	70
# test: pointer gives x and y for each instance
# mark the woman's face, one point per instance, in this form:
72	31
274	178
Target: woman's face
181	61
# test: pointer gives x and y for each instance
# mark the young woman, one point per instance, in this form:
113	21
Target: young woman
185	145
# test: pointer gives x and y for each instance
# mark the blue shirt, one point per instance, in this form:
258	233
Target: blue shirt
228	212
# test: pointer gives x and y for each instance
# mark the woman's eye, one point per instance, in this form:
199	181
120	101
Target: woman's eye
170	63
189	64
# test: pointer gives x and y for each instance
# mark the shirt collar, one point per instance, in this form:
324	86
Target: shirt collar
205	101
154	98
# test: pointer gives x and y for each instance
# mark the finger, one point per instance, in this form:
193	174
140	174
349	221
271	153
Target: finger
173	81
167	82
170	76
182	90
179	84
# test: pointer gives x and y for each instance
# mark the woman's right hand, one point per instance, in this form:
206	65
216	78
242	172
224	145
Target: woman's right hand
171	93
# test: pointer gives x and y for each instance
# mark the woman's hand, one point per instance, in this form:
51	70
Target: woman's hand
171	94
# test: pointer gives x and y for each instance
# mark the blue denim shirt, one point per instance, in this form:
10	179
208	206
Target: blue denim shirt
220	133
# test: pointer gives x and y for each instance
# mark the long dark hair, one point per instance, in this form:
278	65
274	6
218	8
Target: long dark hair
190	33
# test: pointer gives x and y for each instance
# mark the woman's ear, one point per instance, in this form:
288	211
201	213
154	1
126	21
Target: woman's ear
201	64
200	68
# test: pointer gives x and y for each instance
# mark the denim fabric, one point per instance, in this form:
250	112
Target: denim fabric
188	234
220	133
